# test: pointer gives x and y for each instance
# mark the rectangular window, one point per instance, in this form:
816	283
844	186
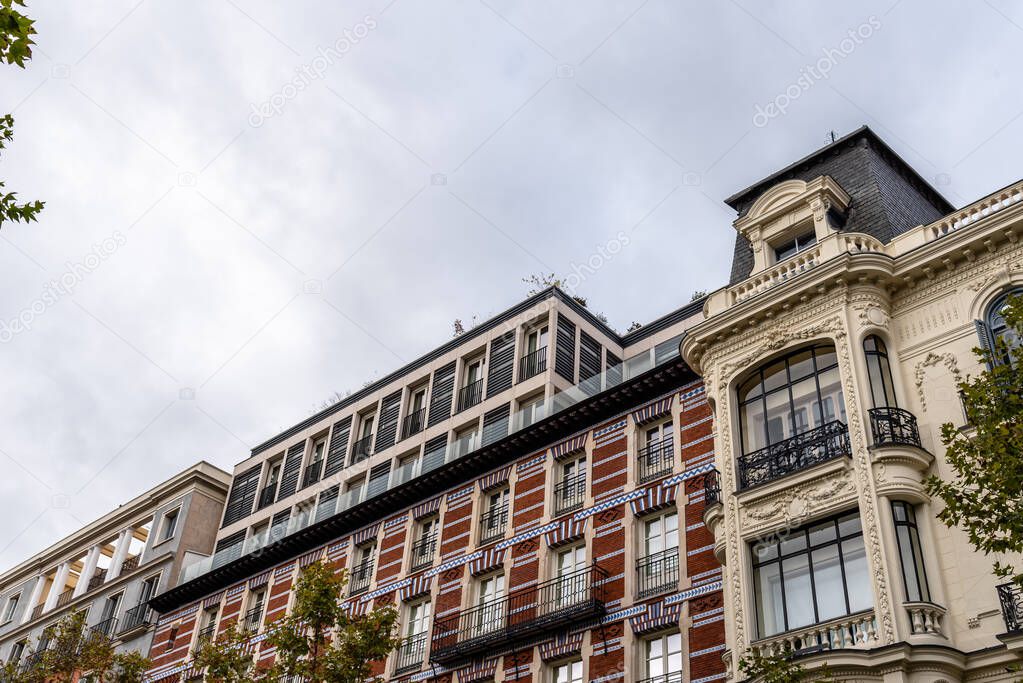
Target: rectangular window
254	614
656	457
17	651
572	577
362	568
424	548
208	625
567	672
412	650
811	575
570	490
910	556
12	604
170	525
795	245
662	658
494	517
490	604
657	570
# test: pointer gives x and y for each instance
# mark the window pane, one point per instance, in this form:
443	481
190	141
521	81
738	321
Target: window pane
908	564
779	424
921	577
857	578
827	579
801	365
804	395
850	524
770	617
831	388
775	376
825	358
752	416
750	388
822	533
798	593
796	541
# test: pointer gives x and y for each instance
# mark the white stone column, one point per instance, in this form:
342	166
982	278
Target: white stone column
91	560
57	588
37	592
120	554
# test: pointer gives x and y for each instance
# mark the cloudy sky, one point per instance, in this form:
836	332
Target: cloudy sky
252	205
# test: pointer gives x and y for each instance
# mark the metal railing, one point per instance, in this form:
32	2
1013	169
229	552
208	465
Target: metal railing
570	493
675	677
1010	595
712	488
413	423
137	617
37	610
107	627
130	564
362	448
411	653
533	364
65	597
894	427
252	619
656	460
97	579
206	634
493	523
657	573
311	474
781	459
423	551
360	577
524	614
470	394
267	496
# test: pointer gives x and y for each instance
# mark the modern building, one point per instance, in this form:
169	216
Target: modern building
529	494
112	567
831	361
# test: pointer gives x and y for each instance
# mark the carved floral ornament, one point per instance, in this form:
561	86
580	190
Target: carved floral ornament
930	361
798	504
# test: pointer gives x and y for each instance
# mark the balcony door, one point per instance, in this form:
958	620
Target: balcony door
571	578
662	656
658	568
418	619
569	672
490	605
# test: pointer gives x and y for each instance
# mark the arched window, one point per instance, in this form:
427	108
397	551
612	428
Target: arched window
879	371
998	329
789	396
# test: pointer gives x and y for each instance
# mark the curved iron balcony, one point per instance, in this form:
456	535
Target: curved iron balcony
712	487
1010	595
894	427
813	447
523	615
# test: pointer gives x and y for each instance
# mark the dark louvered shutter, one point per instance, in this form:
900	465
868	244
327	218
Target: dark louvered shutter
243	495
564	356
984	337
434	452
338	446
614	370
589	363
441	395
292	466
495	424
378	477
328	502
228	549
387	429
502	364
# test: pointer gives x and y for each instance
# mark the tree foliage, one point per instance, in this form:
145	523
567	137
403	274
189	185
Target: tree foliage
225	658
778	668
16	31
68	649
987	460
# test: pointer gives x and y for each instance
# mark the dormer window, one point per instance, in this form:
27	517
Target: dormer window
793	246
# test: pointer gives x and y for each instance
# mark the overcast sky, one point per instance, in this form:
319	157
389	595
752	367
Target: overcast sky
251	205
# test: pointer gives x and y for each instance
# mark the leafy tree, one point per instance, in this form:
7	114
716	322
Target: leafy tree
987	460
698	294
67	649
225	657
16	43
777	669
321	641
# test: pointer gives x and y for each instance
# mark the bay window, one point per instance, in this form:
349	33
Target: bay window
911	558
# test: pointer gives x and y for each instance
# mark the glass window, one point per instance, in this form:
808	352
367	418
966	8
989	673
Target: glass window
12	604
789	396
879	371
660	533
418	618
998	328
170	524
663	655
794	246
810	575
910	556
569	672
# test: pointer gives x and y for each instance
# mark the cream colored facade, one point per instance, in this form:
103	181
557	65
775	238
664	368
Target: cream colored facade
920	292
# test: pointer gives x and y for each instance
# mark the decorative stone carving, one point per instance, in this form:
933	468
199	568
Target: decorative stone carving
931	361
798	503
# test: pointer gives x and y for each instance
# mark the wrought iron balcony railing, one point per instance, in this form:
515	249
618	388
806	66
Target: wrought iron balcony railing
423	551
98	577
206	634
37	610
570	493
532	364
1011	598
712	487
656	460
360	577
130	564
894	427
65	597
362	448
493	523
107	627
311	475
781	459
524	614
675	677
252	619
657	573
267	496
413	423
137	617
470	395
411	653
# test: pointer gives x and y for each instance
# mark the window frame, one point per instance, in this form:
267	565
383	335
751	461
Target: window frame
995	325
174	516
801	241
10	607
914	550
879	358
555	666
645	658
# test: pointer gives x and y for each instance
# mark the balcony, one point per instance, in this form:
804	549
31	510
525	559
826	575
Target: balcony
569	494
493	523
813	447
470	395
360	577
853	631
137	617
423	551
712	487
311	474
252	619
206	635
411	654
665	678
97	579
656	460
894	427
657	573
65	597
106	628
130	564
1010	595
267	496
525	614
37	611
413	423
362	449
533	364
